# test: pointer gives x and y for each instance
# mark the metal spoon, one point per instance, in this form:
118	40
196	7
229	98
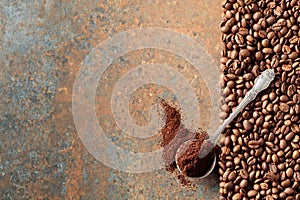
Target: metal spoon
262	82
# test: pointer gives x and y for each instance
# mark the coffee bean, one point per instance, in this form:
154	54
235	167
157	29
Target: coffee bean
232	176
265	42
225	108
284	107
256	27
289	191
259	56
270	145
295	128
274	190
257	16
297	167
244	53
293	55
223	115
231	84
251	160
227	141
286	183
234	54
237	196
253	144
229	186
274	158
264	186
244	183
280	153
252	175
296	98
296	154
247	125
289	136
289	172
239	39
225	175
243	31
293	39
282	144
277	48
287	67
237	161
284	98
267	50
271	20
244	174
273	168
291	90
282	195
225	29
252	193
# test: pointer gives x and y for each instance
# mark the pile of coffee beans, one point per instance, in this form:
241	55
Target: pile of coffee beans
260	156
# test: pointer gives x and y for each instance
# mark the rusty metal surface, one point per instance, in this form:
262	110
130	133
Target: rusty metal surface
42	46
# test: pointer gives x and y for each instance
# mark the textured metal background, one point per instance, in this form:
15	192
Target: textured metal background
42	43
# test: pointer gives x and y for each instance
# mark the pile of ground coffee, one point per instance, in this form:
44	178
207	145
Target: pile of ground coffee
188	158
260	156
173	135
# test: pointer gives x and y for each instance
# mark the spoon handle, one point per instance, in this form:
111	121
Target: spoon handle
261	83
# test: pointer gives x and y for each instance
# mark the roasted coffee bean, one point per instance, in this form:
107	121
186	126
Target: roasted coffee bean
257	16
296	154
237	196
286	183
273	168
239	39
244	53
267	50
232	176
247	125
293	55
284	107
252	193
289	191
274	158
229	186
264	186
248	77
277	48
251	160
289	136
244	183
253	144
244	174
259	56
243	31
289	172
287	67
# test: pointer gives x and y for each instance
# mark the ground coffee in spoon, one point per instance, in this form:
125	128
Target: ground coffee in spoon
188	159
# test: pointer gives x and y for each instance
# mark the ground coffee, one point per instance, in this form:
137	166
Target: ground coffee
173	136
188	158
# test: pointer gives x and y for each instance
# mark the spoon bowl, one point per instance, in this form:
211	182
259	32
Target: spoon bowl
181	151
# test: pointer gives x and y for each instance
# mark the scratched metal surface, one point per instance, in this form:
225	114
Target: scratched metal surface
42	46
